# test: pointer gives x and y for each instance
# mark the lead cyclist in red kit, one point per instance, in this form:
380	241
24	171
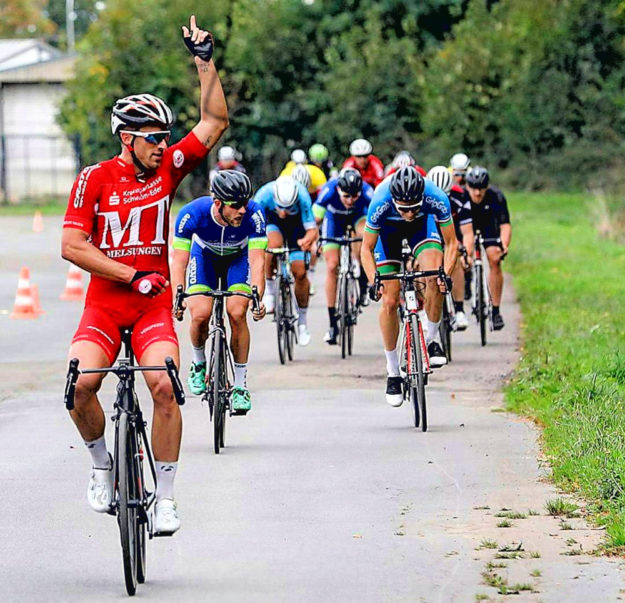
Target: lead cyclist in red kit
116	227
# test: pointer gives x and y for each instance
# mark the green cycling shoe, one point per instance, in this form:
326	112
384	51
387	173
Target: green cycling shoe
241	400
197	378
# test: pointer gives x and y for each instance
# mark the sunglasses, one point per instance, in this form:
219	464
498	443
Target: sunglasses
236	204
407	208
151	137
477	188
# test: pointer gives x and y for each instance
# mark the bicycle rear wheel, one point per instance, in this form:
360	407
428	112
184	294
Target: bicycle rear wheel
127	517
279	313
218	402
481	302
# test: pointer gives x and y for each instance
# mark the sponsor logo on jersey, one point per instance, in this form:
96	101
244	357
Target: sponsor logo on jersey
114	199
81	185
377	214
147	191
192	272
152	326
184	220
259	221
101	333
436	204
178	158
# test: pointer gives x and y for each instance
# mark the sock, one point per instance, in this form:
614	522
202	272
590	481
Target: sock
392	363
495	310
199	356
432	331
240	375
271	286
99	453
165	474
459	306
302	320
332	315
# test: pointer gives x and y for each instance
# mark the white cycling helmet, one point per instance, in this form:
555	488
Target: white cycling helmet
403	159
226	154
440	176
301	174
138	110
459	163
360	148
298	156
285	191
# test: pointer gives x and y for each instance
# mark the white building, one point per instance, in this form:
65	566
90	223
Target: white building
36	158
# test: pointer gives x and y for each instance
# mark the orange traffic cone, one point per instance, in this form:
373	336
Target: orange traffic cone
73	284
24	306
35	294
38	222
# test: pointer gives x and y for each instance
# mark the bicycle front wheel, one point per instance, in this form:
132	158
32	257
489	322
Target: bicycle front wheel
481	302
141	540
218	402
127	517
342	315
416	375
279	313
353	297
445	329
289	323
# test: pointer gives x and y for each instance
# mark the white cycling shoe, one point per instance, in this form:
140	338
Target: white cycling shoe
270	302
303	335
461	321
100	489
166	520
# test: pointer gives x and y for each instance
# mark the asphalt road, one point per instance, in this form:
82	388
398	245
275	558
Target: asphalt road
323	491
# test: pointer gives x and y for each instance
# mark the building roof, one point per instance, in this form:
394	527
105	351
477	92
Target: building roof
58	69
17	53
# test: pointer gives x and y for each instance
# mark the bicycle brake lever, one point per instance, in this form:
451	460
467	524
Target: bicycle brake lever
255	300
70	384
172	371
178	309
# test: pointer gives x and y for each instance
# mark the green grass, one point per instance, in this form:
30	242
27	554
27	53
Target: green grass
48	207
571	378
486	543
559	507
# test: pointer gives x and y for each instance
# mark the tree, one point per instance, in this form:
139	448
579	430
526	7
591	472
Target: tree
24	19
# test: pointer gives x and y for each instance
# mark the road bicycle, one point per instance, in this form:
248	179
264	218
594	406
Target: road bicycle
347	290
220	370
412	346
131	498
482	300
285	310
448	323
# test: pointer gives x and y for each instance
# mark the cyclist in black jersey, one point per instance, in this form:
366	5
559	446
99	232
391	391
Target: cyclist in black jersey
489	211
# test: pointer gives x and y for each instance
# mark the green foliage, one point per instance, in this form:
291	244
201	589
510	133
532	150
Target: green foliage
24	19
571	373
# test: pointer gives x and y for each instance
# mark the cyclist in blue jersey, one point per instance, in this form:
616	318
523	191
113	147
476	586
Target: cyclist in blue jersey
221	237
290	222
342	202
406	206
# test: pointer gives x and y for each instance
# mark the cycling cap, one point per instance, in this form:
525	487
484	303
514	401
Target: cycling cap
403	159
285	191
318	152
140	110
360	148
226	154
478	177
440	176
350	181
460	162
230	185
298	156
407	185
301	174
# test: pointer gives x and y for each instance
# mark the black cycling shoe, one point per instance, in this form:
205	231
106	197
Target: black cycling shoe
498	322
364	300
436	354
394	395
467	287
331	335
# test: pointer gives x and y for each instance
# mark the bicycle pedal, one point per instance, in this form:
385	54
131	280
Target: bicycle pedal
240	412
162	534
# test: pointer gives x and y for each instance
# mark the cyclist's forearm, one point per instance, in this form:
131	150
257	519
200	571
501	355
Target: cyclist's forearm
505	231
368	262
76	249
179	268
257	270
451	248
468	238
213	109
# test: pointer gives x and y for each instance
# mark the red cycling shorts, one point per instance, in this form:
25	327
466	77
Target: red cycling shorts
103	327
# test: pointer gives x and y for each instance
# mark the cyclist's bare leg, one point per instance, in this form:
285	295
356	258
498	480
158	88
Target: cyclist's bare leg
167	420
457	289
332	267
302	285
389	321
274	239
495	277
432	259
200	308
88	414
240	339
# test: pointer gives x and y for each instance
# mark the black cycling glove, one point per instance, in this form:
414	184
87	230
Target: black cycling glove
374	294
204	49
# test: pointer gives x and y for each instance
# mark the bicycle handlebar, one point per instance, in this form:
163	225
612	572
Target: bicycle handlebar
181	295
340	240
495	240
411	276
121	371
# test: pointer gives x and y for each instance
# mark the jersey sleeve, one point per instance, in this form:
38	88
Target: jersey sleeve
438	204
320	205
503	215
186	225
258	236
305	206
464	214
83	200
184	156
378	208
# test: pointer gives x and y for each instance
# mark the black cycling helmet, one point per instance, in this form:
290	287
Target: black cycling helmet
478	177
230	185
407	185
350	181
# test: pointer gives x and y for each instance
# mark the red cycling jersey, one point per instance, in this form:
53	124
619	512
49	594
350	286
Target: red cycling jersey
373	174
127	218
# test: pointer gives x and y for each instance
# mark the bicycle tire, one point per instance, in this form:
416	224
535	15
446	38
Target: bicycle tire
289	324
218	414
278	315
446	331
352	307
342	317
410	384
481	303
418	353
127	515
141	540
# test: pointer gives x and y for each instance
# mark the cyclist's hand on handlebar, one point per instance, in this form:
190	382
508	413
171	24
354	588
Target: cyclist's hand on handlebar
148	283
199	42
179	311
444	283
375	292
262	311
